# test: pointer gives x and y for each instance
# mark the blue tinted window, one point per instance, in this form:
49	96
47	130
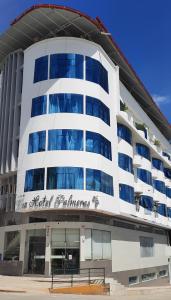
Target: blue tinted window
96	108
169	212
143	151
144	175
66	103
167	173
41	69
157	164
124	133
168	192
37	141
126	193
167	155
97	180
34	180
161	209
96	143
38	106
125	162
146	202
65	139
95	72
64	178
159	186
145	133
67	65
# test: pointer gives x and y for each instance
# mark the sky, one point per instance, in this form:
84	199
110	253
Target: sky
142	30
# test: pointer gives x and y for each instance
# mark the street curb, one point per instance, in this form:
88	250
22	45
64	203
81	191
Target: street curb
11	291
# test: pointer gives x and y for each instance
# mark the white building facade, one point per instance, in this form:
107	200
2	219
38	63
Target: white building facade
85	156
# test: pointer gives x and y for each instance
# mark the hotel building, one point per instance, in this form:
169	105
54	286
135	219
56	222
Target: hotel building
85	158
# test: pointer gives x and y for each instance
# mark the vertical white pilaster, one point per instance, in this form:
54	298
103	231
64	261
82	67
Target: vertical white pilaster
2	242
22	244
48	252
82	244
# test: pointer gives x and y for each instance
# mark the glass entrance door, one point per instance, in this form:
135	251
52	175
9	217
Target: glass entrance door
36	241
65	256
36	261
65	261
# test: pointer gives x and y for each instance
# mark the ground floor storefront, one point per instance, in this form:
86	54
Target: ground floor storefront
129	253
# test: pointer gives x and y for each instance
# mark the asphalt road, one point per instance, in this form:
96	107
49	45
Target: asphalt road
159	296
8	296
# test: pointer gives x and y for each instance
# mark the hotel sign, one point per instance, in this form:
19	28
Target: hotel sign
59	201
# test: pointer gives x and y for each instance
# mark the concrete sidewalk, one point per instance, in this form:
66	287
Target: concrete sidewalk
40	285
36	285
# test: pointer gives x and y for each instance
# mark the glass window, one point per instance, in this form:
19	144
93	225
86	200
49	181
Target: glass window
95	72
37	142
97	244
166	155
97	180
38	106
167	173
168	192
64	178
146	202
65	238
146	246
159	186
126	193
66	103
143	151
96	143
41	69
161	209
133	280
65	139
12	245
157	164
125	162
96	108
169	212
145	133
34	180
163	273
124	133
144	175
148	276
67	65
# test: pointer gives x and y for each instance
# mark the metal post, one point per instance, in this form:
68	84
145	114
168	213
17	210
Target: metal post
89	276
104	273
72	279
169	265
52	280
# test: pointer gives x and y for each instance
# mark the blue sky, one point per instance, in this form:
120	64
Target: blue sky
140	28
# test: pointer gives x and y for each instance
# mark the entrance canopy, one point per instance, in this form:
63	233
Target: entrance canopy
46	21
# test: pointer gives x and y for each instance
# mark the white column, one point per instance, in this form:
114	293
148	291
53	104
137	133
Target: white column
82	243
22	244
22	247
2	242
48	252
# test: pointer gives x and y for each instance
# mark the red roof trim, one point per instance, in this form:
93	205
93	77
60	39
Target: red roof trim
99	24
37	6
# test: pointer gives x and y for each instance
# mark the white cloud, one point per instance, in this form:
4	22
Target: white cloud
159	99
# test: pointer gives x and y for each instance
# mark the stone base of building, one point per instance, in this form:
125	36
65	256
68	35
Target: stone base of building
11	268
